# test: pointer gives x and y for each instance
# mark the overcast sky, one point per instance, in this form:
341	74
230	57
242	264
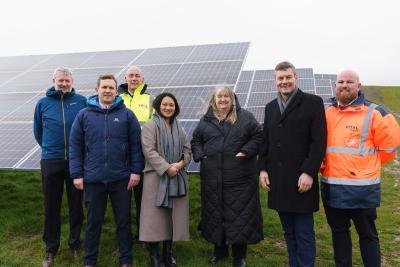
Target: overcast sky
328	36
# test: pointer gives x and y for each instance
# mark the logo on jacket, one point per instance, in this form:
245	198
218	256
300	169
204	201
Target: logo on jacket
143	106
352	128
116	119
73	103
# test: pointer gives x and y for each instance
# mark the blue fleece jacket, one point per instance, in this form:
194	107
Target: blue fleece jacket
105	144
54	115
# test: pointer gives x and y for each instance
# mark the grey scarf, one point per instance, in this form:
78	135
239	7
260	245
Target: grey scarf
170	147
282	103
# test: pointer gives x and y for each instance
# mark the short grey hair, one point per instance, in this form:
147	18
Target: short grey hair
134	68
63	70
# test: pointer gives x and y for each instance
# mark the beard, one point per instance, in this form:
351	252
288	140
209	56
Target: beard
346	97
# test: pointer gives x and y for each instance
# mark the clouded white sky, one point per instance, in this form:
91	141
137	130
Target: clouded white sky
328	36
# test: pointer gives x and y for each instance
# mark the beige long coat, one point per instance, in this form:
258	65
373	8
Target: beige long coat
158	224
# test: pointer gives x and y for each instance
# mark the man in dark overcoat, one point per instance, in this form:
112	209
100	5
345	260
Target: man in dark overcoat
291	155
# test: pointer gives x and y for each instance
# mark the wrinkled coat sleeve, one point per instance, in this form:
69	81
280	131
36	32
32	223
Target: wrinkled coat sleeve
197	143
187	154
135	146
77	147
37	124
386	137
252	146
263	153
316	153
149	146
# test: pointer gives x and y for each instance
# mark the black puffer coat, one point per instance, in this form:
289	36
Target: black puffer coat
230	200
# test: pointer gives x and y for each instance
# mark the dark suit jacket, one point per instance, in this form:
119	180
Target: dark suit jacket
294	142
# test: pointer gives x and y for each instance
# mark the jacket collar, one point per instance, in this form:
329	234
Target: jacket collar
358	101
93	103
52	92
123	88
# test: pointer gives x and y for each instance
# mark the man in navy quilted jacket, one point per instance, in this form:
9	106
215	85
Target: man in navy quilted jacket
106	160
54	115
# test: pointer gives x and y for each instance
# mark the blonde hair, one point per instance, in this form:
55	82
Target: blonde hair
232	115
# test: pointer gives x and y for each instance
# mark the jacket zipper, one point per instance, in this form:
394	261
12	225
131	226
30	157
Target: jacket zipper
65	130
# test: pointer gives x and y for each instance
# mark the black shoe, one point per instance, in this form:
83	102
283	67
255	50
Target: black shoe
214	259
168	258
239	263
154	256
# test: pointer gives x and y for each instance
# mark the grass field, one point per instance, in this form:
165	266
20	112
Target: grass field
21	221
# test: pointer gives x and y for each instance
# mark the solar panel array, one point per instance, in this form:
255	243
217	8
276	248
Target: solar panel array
189	72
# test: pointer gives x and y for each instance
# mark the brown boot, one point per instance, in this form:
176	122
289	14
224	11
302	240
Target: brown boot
48	259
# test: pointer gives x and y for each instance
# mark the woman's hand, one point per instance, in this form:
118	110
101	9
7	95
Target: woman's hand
172	170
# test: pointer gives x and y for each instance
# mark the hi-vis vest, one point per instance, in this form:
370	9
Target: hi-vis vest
361	137
139	103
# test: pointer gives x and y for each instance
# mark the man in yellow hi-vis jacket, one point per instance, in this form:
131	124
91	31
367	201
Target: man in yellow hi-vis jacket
133	92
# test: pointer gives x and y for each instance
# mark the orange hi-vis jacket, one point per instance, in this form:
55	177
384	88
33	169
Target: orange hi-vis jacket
361	137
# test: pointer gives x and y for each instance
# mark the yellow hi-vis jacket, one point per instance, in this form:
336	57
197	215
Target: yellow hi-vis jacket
361	137
139	102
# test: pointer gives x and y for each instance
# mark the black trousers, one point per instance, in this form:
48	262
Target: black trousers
137	191
364	222
238	251
54	174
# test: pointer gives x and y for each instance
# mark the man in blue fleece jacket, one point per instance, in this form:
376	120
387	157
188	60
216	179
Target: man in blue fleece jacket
106	160
54	115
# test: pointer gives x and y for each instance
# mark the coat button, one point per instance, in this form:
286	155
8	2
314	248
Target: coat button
280	125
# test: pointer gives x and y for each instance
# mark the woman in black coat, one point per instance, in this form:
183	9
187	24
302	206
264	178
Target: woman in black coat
226	141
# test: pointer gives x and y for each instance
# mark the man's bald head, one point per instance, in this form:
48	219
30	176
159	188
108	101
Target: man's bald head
134	78
347	86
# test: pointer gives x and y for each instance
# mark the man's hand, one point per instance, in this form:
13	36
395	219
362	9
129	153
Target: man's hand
134	180
78	183
264	180
305	182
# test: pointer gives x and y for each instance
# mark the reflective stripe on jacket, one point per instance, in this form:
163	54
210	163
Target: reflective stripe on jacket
139	102
361	137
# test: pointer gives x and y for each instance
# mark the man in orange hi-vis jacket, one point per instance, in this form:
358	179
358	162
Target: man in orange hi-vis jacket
361	137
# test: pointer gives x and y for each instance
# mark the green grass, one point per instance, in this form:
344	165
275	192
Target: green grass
388	96
21	220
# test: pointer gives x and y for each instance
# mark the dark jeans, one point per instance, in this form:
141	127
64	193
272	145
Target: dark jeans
96	195
137	191
364	222
300	238
54	174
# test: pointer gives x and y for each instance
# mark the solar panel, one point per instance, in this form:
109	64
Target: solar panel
242	87
258	112
190	72
15	142
264	75
246	75
242	99
20	63
164	55
210	73
260	99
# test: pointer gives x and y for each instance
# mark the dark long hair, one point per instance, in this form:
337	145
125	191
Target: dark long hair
157	104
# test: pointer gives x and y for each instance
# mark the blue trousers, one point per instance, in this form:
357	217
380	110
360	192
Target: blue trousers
96	195
300	238
364	222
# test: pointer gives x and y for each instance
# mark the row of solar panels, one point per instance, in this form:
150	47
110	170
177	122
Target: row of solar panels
190	72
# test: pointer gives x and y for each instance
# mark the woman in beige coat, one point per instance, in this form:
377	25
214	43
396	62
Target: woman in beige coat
165	203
